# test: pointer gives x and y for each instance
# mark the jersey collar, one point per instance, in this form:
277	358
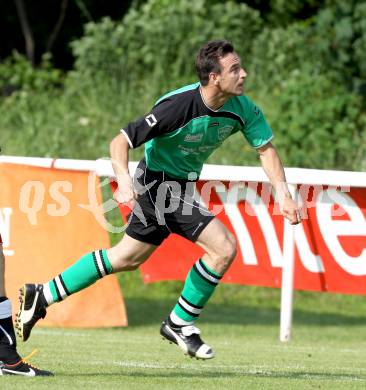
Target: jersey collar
204	103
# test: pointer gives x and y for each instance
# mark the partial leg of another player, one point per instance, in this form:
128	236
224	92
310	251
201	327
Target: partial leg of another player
10	361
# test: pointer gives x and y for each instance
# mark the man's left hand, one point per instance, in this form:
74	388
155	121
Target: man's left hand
291	211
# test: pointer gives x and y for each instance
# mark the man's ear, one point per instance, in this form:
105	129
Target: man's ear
214	78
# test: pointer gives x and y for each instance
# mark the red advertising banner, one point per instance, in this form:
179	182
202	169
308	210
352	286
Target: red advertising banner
330	244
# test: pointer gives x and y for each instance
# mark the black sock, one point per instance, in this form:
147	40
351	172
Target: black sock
8	343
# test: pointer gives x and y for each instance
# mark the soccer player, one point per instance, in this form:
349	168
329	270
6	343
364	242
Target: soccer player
10	361
183	128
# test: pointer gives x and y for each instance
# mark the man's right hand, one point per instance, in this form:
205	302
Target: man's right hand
125	193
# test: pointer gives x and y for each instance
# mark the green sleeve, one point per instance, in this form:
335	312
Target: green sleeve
256	129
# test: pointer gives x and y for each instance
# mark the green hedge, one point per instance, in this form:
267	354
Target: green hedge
309	76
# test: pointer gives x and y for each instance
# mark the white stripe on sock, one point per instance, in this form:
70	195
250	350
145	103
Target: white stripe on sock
47	294
100	263
187	306
5	309
205	274
7	335
60	287
178	321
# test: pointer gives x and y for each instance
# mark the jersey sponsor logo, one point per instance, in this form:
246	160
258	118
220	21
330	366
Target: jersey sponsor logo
197	151
151	120
224	132
5	219
193	137
187	151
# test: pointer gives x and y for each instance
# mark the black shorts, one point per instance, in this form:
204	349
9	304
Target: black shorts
165	205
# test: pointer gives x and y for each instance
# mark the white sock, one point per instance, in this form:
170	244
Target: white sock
178	321
47	294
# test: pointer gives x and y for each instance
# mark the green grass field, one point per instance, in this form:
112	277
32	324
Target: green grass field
328	349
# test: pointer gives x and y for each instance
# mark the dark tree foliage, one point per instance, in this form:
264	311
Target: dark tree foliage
54	23
283	12
306	63
43	16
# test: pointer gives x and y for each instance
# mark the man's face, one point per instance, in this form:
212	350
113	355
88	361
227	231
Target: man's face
232	76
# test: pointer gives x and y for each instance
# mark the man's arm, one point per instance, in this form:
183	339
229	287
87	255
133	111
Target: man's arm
119	149
273	168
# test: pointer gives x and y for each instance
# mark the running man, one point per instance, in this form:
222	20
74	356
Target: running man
10	361
179	133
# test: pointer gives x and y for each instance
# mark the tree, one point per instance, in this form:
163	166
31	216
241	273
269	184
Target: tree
26	29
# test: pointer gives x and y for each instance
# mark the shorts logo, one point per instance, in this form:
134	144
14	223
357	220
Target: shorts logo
193	137
151	120
224	132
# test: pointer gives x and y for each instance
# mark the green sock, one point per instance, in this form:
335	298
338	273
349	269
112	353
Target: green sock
198	288
86	271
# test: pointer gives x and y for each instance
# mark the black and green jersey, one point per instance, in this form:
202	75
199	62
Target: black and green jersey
181	132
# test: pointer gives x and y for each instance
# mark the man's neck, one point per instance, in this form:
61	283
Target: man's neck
213	98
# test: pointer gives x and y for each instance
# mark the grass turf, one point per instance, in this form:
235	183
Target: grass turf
328	350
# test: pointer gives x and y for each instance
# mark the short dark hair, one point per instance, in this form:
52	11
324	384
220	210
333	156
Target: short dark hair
208	57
